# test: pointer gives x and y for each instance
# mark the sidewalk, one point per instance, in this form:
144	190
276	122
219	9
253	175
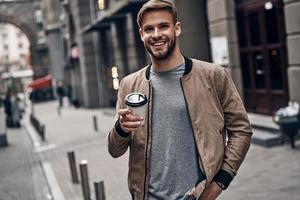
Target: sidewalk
73	131
267	173
21	176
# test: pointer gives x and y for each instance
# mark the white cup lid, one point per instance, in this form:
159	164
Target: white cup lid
135	99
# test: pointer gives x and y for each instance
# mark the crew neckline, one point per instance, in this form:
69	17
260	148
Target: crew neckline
179	68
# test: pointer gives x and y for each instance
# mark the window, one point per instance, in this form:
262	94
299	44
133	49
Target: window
254	28
4	36
245	71
258	66
39	16
272	26
275	68
22	56
19	34
242	29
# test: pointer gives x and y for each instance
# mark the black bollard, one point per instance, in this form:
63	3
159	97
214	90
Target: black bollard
73	168
3	137
42	132
85	180
95	123
99	190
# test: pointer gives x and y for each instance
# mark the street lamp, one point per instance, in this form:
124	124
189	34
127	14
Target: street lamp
268	5
115	75
101	4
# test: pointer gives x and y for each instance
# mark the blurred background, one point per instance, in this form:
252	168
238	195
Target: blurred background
90	45
77	51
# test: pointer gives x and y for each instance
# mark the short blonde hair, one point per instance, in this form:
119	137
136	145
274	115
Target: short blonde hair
155	5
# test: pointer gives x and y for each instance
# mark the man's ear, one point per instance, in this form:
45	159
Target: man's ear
141	34
177	29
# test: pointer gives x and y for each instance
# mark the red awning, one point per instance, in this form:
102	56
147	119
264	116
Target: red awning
40	83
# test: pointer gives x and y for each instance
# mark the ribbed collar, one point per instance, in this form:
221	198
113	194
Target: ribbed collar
188	67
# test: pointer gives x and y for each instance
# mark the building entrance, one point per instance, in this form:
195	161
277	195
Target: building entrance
263	56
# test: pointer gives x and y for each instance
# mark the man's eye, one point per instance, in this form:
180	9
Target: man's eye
164	26
147	30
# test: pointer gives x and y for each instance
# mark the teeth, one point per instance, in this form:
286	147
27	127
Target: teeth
158	44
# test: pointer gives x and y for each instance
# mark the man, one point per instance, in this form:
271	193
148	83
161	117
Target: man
60	93
8	109
181	151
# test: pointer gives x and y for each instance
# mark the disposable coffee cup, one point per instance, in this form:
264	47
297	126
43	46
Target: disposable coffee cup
137	103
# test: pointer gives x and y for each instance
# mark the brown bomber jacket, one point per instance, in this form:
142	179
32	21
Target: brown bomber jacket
219	121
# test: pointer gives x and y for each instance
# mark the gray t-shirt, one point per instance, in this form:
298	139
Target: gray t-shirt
174	167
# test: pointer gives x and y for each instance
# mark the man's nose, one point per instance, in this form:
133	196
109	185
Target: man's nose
156	33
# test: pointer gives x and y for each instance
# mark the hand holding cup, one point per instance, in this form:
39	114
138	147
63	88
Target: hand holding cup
132	117
128	121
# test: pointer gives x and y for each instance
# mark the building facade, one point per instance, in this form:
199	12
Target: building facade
263	47
26	15
112	34
14	49
257	40
15	62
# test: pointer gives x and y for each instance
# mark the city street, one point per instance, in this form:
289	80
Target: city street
267	173
87	55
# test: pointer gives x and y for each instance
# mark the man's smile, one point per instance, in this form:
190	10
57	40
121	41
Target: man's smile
159	44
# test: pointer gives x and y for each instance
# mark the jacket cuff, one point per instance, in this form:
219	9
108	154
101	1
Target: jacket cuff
120	131
223	179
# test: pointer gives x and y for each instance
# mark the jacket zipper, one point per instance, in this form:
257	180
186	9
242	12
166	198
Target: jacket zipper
148	136
202	167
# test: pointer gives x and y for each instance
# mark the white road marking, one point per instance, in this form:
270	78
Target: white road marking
44	148
52	182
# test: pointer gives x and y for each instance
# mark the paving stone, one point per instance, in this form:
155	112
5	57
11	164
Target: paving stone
21	177
267	173
73	131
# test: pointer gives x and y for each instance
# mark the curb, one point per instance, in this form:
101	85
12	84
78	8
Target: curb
52	183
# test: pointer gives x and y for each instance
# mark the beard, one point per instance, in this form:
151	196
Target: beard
162	54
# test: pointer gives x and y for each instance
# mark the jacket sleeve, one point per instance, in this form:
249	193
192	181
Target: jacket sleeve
237	126
118	140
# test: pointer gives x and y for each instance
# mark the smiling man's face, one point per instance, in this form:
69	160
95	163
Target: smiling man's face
159	33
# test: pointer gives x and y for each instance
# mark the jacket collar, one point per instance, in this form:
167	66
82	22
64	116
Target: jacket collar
188	67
